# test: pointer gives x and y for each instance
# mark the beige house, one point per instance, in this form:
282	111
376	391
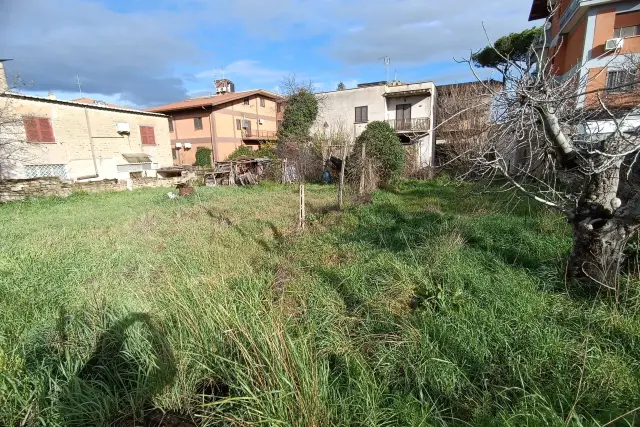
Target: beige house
77	141
221	122
408	108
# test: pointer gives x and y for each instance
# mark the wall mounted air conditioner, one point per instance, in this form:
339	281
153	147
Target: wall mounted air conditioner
187	145
261	121
178	145
123	128
245	124
613	44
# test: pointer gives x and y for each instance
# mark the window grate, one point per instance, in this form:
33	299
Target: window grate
42	171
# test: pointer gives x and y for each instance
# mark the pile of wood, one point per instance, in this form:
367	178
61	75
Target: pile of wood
240	171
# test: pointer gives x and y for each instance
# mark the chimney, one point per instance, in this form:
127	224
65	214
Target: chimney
4	86
51	95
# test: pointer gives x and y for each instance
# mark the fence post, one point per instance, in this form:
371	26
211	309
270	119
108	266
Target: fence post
342	166
303	214
363	161
232	174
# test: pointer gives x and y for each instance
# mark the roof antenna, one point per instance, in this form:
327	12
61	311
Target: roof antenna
387	62
79	84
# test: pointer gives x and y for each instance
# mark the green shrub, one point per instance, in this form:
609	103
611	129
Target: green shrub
203	157
383	146
241	151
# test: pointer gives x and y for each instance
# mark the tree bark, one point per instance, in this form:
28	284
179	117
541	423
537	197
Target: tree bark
601	230
598	251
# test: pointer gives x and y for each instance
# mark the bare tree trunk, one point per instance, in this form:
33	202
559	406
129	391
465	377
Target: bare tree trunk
599	234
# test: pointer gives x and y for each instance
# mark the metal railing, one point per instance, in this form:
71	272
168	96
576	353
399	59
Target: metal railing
568	14
411	125
260	134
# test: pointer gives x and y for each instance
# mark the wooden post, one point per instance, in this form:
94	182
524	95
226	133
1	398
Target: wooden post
303	213
284	171
362	166
342	166
232	174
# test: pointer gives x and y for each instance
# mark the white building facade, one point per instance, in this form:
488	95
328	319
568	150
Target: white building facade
408	108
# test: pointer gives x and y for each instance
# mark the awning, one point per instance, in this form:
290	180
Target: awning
136	157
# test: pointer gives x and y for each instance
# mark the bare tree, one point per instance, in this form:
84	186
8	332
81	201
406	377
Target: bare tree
571	143
12	138
463	117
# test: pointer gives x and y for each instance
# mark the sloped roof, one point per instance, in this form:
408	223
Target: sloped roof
539	10
210	101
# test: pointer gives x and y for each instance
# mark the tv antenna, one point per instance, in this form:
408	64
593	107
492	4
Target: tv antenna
387	63
79	84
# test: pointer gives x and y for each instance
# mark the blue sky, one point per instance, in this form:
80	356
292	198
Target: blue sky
150	52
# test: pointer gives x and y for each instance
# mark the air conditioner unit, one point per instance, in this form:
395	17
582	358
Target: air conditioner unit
245	124
178	145
187	145
260	121
123	128
613	44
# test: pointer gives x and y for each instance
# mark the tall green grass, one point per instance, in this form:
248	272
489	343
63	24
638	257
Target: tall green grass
431	306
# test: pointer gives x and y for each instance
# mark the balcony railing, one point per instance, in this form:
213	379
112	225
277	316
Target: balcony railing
259	134
568	14
410	125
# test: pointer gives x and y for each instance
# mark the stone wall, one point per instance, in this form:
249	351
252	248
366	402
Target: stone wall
20	189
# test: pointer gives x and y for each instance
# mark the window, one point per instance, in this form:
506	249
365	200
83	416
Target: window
197	123
362	114
147	135
621	81
279	107
625	32
238	124
262	102
41	171
246	101
174	153
170	124
38	129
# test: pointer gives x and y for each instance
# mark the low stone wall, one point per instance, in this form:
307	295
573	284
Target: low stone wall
19	189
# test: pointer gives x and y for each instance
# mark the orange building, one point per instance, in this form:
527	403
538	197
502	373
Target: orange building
594	38
221	123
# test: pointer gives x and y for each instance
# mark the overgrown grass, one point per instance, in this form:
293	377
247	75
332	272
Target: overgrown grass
430	307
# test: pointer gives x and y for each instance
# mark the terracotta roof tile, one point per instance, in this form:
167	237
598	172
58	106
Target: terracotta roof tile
213	100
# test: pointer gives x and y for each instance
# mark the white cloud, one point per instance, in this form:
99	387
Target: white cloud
246	68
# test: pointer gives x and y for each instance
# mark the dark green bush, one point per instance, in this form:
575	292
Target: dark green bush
203	157
384	147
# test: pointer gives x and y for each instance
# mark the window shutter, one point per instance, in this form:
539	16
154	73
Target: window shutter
151	137
45	130
147	135
31	129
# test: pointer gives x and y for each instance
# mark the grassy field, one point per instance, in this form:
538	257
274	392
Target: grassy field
429	307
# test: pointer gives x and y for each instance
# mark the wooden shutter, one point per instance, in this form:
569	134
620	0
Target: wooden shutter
46	130
38	129
31	129
147	135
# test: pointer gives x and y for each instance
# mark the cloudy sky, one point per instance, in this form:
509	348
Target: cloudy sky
150	52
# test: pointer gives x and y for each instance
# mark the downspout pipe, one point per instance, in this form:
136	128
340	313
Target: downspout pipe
93	151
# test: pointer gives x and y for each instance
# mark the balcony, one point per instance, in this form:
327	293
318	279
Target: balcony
259	134
411	125
568	14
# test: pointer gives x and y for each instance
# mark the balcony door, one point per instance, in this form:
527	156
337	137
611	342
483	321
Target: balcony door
403	117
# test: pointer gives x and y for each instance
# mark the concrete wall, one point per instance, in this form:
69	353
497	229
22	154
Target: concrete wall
72	146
